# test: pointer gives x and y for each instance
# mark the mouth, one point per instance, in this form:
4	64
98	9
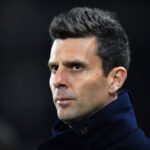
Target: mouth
63	100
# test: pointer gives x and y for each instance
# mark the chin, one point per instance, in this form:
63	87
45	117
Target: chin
67	119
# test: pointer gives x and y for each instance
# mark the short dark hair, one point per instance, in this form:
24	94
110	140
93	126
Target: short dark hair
113	45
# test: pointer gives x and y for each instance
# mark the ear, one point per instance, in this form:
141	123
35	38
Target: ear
117	77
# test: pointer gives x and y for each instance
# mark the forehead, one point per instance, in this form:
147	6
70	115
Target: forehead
73	48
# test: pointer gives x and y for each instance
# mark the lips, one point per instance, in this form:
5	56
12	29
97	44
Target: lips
62	100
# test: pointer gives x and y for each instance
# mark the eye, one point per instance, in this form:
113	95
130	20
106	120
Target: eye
54	68
77	67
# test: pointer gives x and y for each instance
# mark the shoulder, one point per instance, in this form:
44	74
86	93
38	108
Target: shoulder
135	140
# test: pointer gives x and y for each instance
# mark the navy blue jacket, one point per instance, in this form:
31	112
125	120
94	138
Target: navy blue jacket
112	128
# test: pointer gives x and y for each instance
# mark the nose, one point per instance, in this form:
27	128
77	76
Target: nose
59	79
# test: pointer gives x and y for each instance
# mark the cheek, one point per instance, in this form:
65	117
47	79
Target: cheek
91	87
51	84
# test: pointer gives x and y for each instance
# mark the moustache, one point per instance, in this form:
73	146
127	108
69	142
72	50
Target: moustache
63	93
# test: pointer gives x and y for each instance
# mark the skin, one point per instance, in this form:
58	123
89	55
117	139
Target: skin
78	84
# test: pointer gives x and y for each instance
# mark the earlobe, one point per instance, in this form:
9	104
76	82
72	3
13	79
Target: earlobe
118	76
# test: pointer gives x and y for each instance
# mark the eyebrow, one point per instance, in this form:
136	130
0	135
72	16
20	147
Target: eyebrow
50	64
68	63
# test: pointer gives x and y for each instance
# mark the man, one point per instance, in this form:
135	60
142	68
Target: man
89	61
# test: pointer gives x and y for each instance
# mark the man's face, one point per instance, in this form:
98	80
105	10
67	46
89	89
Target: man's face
77	81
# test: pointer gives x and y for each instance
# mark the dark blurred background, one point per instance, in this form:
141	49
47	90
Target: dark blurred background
26	107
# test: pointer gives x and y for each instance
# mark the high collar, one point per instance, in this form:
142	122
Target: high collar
116	118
